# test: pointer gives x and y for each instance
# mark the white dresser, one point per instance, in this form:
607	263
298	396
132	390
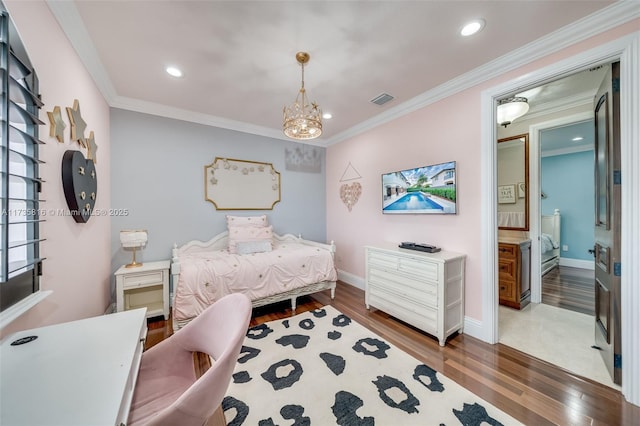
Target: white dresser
425	290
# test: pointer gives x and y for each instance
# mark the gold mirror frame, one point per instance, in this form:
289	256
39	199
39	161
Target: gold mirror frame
231	184
517	187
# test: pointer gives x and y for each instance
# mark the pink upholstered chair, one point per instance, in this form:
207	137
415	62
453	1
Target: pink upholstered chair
167	391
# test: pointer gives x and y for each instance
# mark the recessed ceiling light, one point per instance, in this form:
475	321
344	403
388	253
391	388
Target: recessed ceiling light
173	71
472	27
327	115
577	138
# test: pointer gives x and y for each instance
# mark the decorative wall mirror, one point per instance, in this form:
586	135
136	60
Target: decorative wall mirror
231	184
513	183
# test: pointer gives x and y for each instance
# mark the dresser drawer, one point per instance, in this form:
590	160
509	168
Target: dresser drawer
419	316
421	291
507	250
382	260
507	269
507	290
420	268
142	279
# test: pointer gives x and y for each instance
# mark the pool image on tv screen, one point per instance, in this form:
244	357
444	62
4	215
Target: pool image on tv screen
423	190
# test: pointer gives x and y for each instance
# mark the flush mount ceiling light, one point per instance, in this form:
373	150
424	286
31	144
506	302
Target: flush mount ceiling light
472	27
173	71
510	109
302	120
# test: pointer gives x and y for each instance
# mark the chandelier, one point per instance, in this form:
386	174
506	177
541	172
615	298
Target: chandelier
511	108
302	120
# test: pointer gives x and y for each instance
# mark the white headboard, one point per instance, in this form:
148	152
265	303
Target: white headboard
551	225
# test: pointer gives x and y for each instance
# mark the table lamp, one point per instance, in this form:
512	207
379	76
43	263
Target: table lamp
133	239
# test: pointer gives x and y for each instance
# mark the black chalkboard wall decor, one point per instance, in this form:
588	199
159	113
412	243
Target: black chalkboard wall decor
80	183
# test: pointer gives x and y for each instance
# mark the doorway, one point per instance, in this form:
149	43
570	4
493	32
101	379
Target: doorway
626	49
563	156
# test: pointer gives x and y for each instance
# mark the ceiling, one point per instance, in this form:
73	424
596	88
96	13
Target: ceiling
238	57
567	139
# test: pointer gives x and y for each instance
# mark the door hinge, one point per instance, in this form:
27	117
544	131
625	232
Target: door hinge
617	177
617	269
617	361
615	85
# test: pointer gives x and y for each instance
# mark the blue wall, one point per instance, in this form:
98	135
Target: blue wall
567	181
157	173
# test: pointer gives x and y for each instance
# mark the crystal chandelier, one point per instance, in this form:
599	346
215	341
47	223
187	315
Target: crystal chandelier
511	108
302	120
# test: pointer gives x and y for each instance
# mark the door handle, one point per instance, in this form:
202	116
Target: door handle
592	251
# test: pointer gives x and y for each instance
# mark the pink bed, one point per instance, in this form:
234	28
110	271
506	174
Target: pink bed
203	272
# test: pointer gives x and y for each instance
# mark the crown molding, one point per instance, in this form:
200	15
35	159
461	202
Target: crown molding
152	108
68	17
584	99
610	17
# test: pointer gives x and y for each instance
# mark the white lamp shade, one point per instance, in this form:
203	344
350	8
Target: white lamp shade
509	110
133	238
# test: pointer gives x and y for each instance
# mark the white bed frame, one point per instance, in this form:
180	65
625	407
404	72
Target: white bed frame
551	225
220	242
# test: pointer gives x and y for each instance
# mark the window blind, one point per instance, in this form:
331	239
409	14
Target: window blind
20	261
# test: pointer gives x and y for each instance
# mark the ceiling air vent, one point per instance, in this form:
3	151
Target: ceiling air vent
382	99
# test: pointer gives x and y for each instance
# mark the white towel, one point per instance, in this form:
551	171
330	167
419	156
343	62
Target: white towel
511	219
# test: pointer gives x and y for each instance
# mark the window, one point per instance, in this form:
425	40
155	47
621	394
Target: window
20	262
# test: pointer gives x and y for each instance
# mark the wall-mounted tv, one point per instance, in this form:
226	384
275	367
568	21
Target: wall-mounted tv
423	190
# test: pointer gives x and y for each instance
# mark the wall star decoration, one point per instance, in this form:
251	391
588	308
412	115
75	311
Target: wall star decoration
78	125
57	126
92	148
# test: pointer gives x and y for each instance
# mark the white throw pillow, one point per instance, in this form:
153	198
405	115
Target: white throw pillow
250	247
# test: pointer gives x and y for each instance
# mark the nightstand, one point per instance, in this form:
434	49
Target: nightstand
144	286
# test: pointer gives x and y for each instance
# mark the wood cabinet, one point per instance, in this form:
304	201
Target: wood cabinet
145	286
425	290
514	273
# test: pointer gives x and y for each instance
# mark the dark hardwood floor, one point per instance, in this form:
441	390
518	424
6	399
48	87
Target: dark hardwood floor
532	391
569	288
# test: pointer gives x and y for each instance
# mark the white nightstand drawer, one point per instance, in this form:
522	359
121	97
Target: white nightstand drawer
143	279
145	286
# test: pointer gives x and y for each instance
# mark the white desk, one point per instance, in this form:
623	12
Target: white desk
77	373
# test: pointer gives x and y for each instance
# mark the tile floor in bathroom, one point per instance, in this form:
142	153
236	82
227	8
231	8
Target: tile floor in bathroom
555	335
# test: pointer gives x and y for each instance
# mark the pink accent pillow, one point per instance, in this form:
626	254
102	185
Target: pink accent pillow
248	233
254	221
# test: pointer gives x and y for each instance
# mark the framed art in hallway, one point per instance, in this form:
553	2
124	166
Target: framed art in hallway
506	194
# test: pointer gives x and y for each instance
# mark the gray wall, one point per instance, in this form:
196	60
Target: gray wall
157	173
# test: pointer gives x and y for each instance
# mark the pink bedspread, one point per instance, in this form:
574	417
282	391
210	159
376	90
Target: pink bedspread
206	277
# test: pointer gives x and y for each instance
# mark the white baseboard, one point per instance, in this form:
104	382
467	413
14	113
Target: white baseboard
351	279
577	263
473	328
